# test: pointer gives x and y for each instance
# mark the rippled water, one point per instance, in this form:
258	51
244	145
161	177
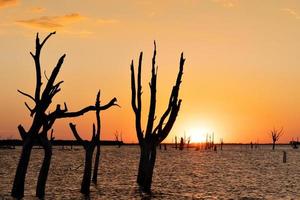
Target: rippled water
236	172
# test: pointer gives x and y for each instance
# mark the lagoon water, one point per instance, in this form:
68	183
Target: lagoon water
237	172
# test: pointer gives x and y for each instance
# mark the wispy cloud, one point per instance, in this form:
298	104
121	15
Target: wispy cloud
81	33
8	3
37	9
227	3
291	12
107	21
51	22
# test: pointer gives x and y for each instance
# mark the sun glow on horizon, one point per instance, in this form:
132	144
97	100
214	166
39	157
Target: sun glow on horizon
198	134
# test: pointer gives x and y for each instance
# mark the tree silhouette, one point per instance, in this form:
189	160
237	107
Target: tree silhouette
89	147
42	121
276	134
153	136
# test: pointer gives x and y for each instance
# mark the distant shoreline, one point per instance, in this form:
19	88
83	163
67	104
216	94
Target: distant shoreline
16	142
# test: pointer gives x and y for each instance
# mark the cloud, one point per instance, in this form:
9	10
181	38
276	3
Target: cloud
227	3
8	3
107	21
37	9
291	12
81	33
51	22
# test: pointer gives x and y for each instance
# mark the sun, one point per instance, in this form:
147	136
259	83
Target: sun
198	135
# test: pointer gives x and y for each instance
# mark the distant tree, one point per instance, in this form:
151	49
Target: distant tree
221	143
188	142
42	121
275	135
181	145
118	138
89	147
152	137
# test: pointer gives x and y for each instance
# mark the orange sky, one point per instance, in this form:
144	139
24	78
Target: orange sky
241	77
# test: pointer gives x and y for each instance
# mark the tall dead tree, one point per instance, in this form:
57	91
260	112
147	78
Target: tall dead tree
275	135
149	139
89	147
42	121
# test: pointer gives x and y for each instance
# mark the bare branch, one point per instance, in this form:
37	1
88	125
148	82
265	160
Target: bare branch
27	95
133	88
97	104
152	106
22	132
66	108
45	40
173	107
46	75
58	113
139	82
75	133
32	111
136	98
52	78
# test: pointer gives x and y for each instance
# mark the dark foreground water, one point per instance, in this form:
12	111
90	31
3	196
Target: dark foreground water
237	172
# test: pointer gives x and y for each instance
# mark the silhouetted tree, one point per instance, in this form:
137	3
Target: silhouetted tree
276	134
188	142
221	143
181	145
149	139
43	120
119	141
89	147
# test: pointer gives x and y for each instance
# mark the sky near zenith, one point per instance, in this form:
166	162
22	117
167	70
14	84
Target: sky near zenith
241	76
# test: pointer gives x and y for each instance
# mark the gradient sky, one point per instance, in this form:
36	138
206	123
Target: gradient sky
241	78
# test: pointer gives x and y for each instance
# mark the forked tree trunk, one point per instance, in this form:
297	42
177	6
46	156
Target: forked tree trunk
42	179
152	136
96	165
86	180
19	181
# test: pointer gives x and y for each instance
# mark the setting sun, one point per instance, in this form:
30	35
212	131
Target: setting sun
197	134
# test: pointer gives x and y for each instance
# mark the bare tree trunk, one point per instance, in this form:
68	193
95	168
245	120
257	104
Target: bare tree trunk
141	170
149	169
18	185
273	146
43	175
146	166
96	166
86	180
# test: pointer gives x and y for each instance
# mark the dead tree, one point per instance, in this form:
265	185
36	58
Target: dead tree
275	134
221	143
119	142
152	137
181	145
42	121
89	147
188	142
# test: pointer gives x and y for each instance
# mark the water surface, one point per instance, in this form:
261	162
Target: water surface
237	172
